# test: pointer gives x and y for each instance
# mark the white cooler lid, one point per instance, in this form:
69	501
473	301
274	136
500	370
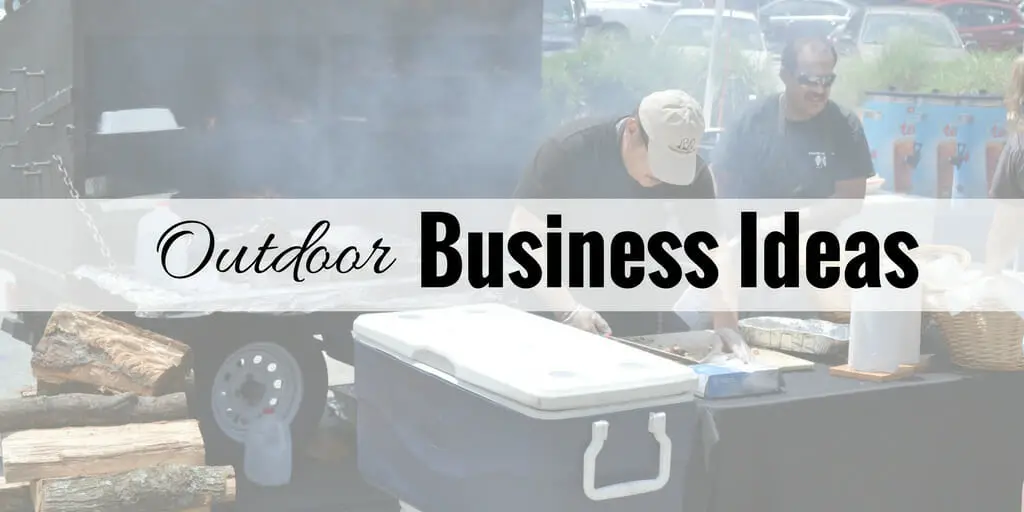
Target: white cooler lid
519	356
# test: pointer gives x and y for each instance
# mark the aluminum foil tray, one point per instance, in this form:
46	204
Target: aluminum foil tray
816	337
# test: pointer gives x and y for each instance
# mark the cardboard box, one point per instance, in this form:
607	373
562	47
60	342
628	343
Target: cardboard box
730	379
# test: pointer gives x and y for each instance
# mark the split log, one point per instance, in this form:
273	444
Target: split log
87	451
168	488
81	410
15	497
109	355
43	388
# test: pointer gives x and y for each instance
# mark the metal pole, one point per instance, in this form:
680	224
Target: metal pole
709	87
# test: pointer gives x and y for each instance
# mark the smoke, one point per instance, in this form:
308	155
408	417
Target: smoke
375	98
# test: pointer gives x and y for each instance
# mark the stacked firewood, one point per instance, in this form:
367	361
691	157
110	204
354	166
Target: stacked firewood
108	427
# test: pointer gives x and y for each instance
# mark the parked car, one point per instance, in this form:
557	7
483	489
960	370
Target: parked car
992	25
565	23
871	28
691	31
634	19
782	20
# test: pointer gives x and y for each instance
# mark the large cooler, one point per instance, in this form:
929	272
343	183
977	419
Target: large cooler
488	408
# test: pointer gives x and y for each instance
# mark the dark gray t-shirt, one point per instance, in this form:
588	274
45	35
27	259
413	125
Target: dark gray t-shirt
763	156
1008	179
583	160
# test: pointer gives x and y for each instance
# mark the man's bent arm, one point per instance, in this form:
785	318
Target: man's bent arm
1005	234
851	183
828	214
723	294
559	299
726	303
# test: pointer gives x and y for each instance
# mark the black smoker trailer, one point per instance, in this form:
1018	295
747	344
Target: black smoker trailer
435	98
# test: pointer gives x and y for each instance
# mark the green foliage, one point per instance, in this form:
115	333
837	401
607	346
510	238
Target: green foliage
612	75
904	67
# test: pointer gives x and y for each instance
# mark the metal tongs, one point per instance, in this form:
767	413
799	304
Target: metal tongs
654	350
693	343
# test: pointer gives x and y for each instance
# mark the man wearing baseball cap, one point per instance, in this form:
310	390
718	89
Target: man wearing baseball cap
651	153
648	154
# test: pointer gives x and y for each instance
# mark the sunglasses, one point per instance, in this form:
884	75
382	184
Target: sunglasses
822	80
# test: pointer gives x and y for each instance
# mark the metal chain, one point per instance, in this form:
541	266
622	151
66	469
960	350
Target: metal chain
96	236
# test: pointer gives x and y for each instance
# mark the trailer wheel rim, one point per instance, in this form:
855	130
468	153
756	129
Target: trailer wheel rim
258	378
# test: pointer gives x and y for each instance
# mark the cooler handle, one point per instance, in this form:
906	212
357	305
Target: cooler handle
435	364
599	434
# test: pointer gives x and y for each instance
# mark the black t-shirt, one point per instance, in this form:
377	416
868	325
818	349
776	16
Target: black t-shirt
583	160
1008	179
763	155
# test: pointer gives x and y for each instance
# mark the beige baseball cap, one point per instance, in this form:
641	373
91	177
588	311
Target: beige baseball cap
674	123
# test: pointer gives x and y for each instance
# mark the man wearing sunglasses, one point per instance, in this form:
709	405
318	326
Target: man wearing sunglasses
648	154
798	144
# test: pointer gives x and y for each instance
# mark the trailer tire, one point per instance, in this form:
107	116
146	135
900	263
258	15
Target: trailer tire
294	373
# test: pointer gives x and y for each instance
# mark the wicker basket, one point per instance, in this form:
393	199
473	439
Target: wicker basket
984	340
835	301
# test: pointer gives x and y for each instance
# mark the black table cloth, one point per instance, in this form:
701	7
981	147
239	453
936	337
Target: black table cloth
936	442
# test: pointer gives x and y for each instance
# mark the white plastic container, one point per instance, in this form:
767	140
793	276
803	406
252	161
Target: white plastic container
268	452
148	264
490	408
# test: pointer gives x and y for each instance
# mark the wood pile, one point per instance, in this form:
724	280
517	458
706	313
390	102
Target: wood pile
122	439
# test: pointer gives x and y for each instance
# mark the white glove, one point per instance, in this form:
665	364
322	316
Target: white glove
588	320
735	343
